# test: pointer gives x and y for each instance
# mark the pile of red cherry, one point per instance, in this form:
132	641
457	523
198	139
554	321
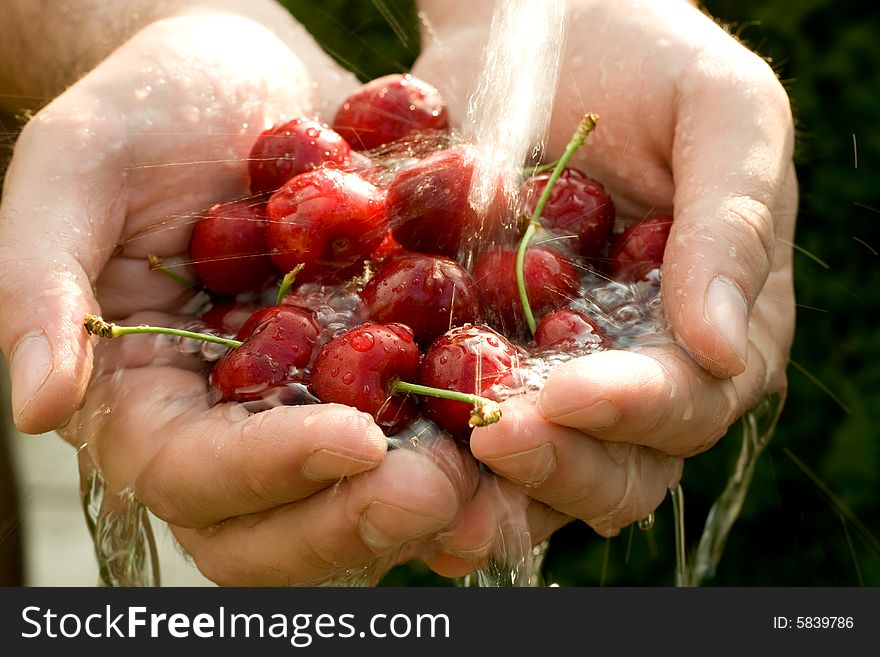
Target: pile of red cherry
400	280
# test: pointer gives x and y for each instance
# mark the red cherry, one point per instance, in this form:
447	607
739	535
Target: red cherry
551	282
389	108
328	220
428	205
228	248
277	353
578	205
567	329
430	293
472	359
358	367
294	147
639	248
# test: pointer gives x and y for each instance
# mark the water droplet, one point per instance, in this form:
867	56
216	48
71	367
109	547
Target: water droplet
363	341
647	522
348	378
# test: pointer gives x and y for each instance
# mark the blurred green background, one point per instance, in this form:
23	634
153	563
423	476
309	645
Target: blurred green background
812	515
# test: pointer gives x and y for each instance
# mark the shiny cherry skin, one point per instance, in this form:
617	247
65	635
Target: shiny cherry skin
639	248
296	146
570	329
358	367
389	108
277	353
430	293
551	282
328	220
428	206
228	248
474	359
578	205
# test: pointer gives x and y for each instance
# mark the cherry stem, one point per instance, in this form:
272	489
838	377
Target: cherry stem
287	283
584	128
98	326
542	168
485	411
156	264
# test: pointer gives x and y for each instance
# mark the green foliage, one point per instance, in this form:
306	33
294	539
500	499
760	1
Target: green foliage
368	38
812	516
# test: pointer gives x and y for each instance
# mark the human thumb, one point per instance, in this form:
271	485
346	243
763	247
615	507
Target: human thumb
49	256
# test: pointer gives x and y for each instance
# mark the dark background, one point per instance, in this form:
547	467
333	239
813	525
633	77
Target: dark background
812	516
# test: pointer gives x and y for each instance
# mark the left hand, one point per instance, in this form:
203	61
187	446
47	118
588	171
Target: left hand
691	122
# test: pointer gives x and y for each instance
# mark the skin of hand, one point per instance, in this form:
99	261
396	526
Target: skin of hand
693	122
113	169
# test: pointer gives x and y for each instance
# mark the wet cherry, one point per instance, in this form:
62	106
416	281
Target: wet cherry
578	205
551	282
278	352
429	209
358	367
568	329
472	359
639	248
294	147
430	293
228	248
389	108
327	220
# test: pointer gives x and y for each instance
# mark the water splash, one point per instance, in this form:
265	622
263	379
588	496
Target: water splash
125	547
758	427
509	109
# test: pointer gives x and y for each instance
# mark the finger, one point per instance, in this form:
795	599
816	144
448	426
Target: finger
657	397
731	158
607	485
487	524
147	350
492	520
152	429
55	244
128	285
356	528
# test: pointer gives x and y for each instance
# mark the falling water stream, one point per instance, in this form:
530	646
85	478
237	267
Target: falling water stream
517	84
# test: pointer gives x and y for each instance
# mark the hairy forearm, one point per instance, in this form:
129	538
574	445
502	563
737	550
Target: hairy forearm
46	46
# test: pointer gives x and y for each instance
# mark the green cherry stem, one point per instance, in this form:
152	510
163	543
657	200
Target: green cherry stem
485	411
584	128
98	326
156	264
287	283
542	168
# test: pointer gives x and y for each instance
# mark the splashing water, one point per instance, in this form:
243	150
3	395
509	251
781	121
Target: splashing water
758	427
509	109
508	115
125	547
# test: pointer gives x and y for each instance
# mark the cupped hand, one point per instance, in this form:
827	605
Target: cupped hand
692	123
115	168
293	495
